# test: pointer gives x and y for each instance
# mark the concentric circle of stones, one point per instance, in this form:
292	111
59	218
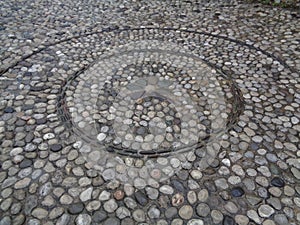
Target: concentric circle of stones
254	179
148	99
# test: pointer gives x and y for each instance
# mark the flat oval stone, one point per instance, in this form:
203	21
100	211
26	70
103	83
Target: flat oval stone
9	110
101	137
55	147
186	212
76	208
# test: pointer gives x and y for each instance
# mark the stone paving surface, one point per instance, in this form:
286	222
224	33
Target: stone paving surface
149	112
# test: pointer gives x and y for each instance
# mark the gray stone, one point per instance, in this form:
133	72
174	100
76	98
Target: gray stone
221	183
269	222
141	198
170	212
130	203
195	222
97	181
217	216
265	211
45	189
40	90
178	185
254	216
22	183
122	212
193	184
99	216
281	219
40	213
275	202
83	219
153	213
166	189
19	220
253	200
203	195
16	208
263	192
30	203
34	222
105	195
69	182
296	173
192	197
203	210
5	205
112	221
186	212
241	220
110	206
108	174
127	221
228	220
231	207
86	194
84	181
93	205
8	182
139	183
139	215
66	199
56	212
76	208
177	222
152	193
5	221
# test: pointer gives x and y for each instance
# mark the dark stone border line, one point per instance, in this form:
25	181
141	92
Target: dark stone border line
238	101
118	30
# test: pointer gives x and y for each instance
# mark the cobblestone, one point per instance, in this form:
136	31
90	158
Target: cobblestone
143	112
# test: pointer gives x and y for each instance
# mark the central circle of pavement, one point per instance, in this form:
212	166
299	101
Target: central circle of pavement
148	104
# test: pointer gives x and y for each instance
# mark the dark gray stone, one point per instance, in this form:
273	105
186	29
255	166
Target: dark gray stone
141	198
55	147
178	186
30	203
9	110
237	192
228	220
277	182
76	208
99	216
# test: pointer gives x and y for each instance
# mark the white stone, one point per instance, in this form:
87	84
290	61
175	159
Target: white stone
101	136
86	194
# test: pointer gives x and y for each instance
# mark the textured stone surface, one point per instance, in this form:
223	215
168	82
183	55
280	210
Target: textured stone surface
89	90
265	211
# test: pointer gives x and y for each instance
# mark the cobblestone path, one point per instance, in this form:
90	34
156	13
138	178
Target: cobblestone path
149	112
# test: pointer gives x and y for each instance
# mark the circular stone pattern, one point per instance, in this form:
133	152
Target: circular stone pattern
152	102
